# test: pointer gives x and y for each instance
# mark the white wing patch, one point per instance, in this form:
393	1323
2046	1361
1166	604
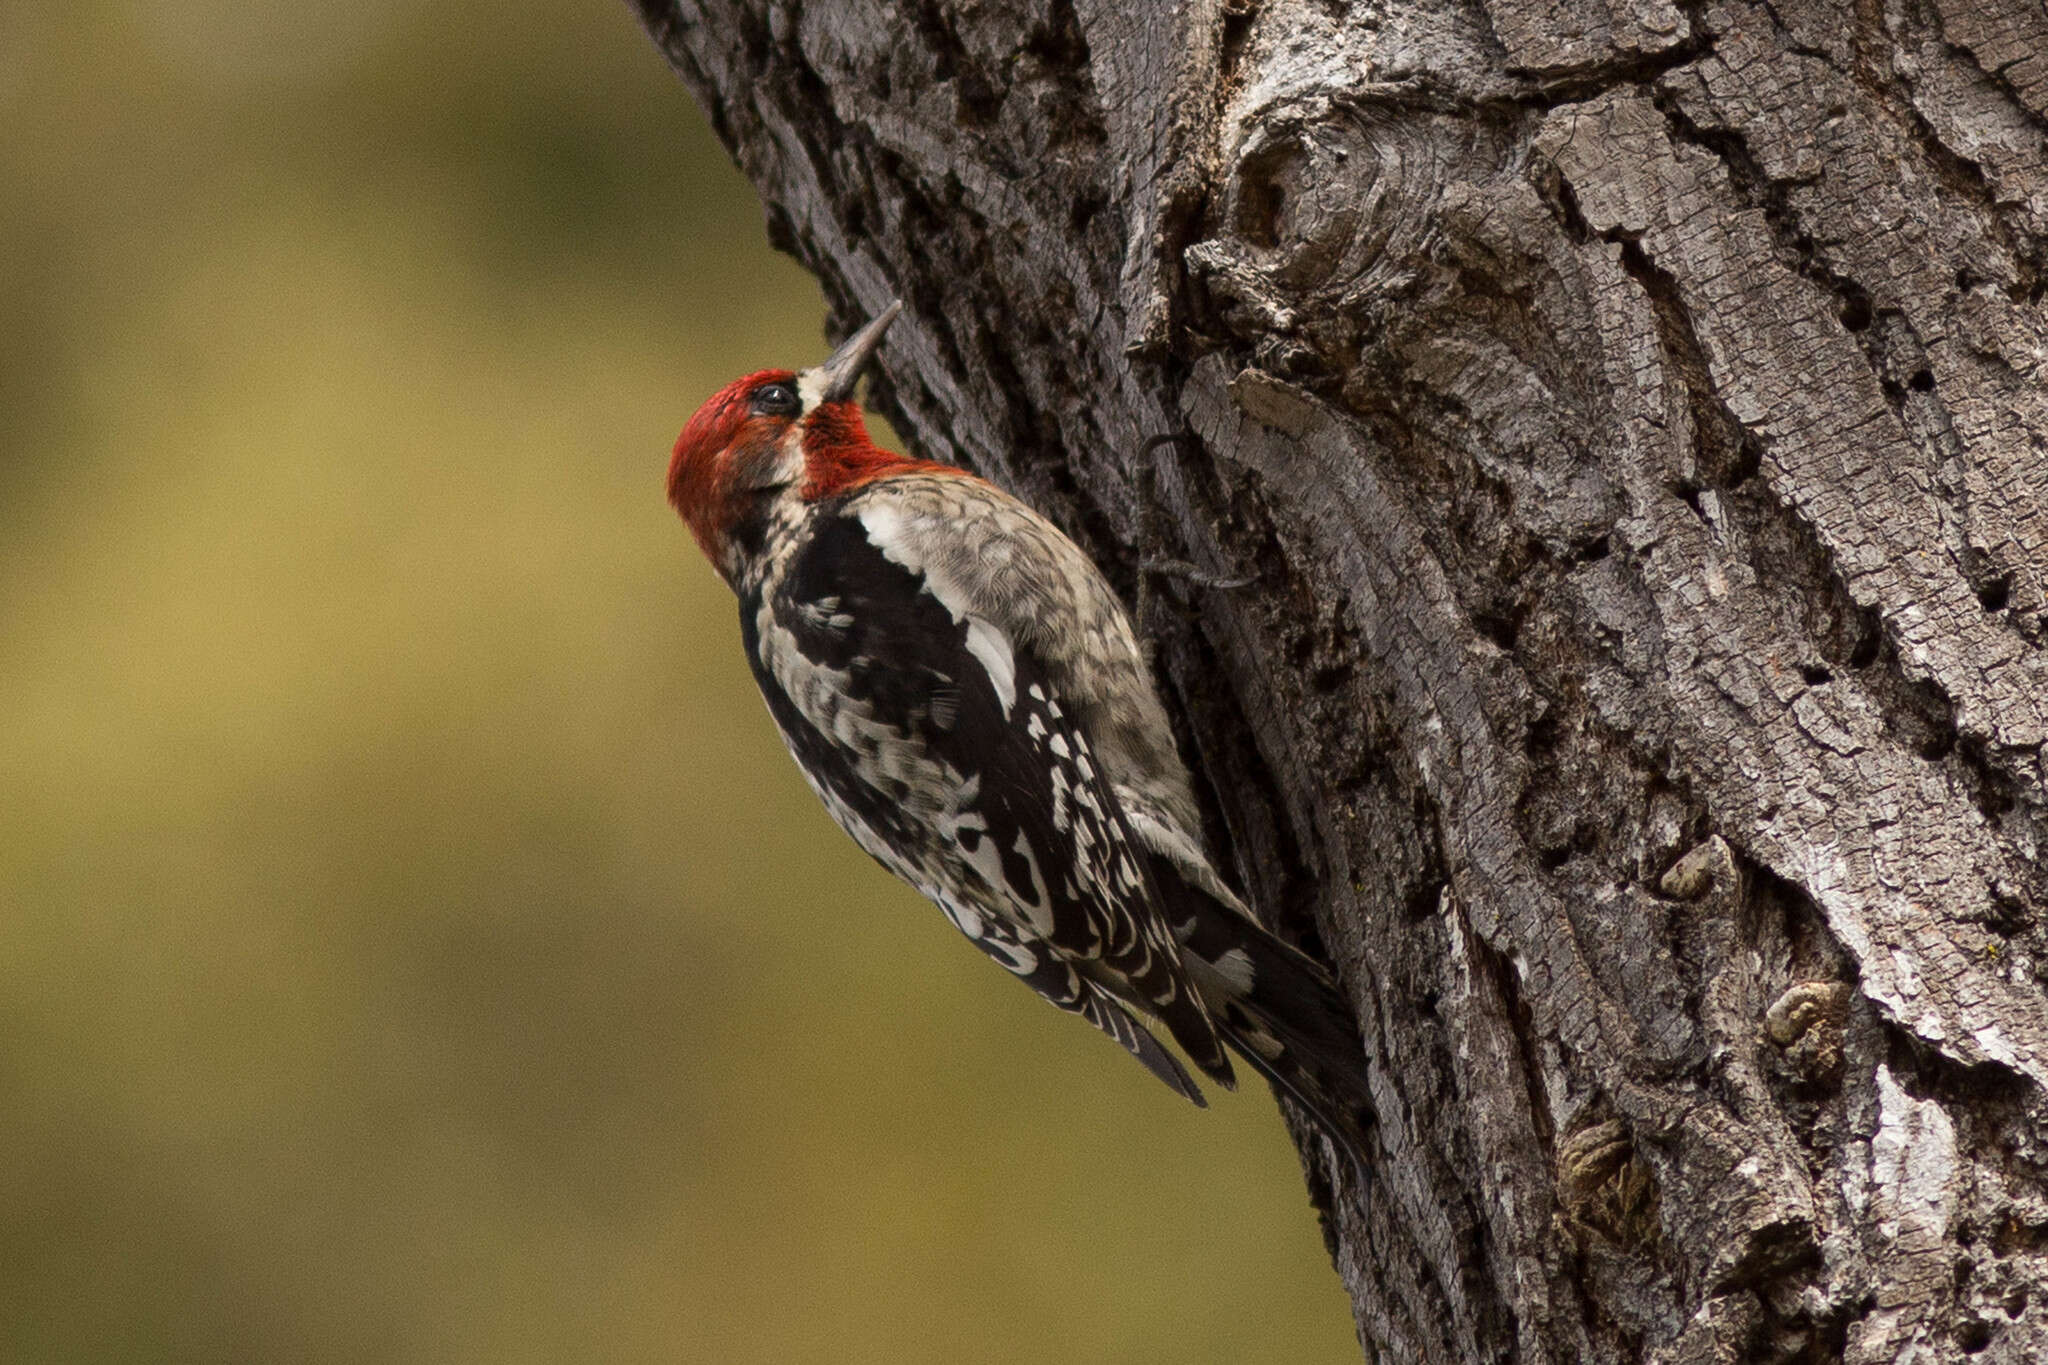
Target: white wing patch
884	525
986	641
988	644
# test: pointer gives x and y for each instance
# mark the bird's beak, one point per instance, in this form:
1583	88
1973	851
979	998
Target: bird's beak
834	380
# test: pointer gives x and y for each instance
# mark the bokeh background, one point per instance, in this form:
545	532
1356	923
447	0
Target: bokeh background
414	942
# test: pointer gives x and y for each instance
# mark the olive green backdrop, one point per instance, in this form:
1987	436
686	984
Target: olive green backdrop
416	944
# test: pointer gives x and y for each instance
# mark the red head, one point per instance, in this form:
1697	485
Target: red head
777	433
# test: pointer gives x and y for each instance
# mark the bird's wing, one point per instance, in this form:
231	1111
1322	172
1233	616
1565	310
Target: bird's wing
937	741
1057	980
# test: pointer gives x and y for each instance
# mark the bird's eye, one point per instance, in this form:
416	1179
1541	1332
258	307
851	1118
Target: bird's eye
775	400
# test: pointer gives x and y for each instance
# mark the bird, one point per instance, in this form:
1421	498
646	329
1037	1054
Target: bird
963	690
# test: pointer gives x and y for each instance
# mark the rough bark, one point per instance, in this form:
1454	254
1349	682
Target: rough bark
1633	414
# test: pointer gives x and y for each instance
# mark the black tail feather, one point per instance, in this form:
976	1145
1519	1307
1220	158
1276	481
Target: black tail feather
1112	1018
1281	1011
1343	1119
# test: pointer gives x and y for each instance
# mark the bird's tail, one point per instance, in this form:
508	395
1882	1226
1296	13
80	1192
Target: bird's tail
1295	1029
1278	1008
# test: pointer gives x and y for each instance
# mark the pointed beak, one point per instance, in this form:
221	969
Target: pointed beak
835	379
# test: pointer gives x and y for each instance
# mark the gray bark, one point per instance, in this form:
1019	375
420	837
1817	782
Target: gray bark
1633	414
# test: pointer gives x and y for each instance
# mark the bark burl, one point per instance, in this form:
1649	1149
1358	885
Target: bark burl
1632	413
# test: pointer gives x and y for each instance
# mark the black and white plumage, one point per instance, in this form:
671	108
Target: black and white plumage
964	692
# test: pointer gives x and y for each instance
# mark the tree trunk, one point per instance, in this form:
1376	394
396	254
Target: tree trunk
1632	412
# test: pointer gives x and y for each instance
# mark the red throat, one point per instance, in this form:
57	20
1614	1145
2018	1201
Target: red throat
839	457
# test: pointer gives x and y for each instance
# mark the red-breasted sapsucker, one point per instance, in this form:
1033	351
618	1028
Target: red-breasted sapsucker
964	692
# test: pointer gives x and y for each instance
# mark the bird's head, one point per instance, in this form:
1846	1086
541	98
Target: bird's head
775	433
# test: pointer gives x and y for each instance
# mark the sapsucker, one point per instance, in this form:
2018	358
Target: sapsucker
963	691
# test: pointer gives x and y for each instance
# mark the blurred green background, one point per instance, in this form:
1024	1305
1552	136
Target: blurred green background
416	944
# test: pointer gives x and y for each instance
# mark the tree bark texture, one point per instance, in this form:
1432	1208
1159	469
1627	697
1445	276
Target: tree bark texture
1632	413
